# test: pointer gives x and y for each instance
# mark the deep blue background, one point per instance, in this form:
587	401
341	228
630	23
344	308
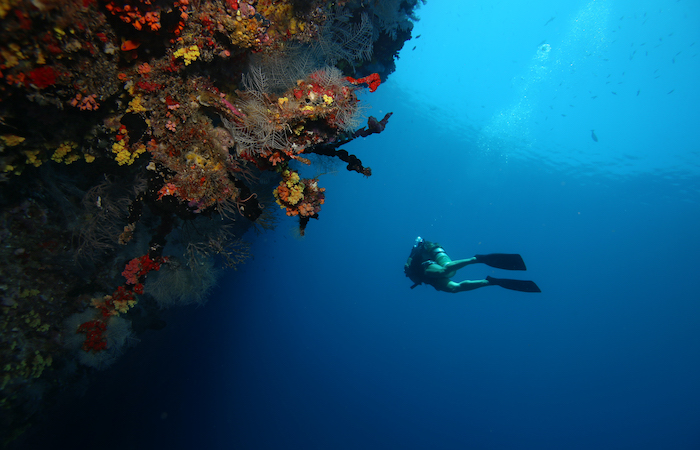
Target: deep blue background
319	344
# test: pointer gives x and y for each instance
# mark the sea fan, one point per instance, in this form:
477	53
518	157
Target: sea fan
340	40
390	17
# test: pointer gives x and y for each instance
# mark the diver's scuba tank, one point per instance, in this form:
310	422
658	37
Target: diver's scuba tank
412	266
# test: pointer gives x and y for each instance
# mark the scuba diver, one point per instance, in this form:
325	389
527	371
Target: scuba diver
429	264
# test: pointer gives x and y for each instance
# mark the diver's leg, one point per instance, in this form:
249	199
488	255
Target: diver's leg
450	266
447	285
466	285
458	264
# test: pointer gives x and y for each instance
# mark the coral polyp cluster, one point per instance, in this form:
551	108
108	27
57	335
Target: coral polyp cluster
140	140
299	197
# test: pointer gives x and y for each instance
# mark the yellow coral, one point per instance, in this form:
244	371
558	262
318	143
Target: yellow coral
11	140
291	178
6	6
124	156
296	194
29	293
294	25
39	364
135	105
188	54
63	150
12	55
32	319
71	158
123	305
291	190
10	60
192	157
33	158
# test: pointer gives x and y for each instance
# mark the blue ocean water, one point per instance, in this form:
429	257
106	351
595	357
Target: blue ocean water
319	343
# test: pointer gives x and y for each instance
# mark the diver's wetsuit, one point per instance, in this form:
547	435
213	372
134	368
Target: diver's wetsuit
441	268
428	263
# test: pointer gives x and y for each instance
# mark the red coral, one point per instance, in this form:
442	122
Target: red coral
24	22
139	267
42	77
124	295
94	335
373	81
148	86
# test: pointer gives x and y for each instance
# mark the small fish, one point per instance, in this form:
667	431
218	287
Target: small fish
594	97
593	136
414	47
547	22
130	45
417	36
670	92
613	92
638	91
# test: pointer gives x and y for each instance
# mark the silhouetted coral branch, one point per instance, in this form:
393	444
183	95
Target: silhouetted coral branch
354	163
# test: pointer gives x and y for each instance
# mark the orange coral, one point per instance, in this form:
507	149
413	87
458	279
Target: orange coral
299	197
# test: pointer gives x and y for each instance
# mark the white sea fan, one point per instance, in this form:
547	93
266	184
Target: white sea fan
177	284
339	40
390	18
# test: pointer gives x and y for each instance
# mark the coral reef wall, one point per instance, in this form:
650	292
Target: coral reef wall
140	139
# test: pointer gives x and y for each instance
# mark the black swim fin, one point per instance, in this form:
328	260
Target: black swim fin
514	285
502	261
